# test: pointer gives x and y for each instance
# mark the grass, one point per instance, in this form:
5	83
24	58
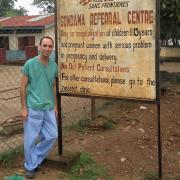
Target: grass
7	157
132	119
81	126
107	125
151	176
87	169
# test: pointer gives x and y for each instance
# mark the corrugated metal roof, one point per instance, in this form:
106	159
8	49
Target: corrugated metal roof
4	18
27	21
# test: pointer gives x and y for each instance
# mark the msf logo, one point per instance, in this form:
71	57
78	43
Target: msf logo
84	2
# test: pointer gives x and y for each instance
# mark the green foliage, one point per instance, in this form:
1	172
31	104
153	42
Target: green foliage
46	5
170	19
17	12
107	125
5	5
86	168
151	176
8	156
7	9
81	126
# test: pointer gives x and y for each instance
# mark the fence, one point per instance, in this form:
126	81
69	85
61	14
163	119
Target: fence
11	61
11	125
10	108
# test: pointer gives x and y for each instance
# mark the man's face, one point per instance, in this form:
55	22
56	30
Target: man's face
46	47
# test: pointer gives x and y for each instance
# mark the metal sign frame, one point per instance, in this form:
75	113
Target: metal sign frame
155	101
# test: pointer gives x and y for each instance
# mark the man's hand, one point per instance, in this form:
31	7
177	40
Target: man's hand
24	114
24	111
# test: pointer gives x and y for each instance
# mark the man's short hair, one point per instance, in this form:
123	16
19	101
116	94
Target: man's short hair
46	37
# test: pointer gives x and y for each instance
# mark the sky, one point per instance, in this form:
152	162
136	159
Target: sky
32	10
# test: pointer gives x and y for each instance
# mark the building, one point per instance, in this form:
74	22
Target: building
19	32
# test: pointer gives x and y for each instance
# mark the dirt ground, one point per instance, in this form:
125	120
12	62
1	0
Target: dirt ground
130	148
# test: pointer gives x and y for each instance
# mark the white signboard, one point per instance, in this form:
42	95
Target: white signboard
107	48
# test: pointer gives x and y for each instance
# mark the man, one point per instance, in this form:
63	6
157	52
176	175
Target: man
39	106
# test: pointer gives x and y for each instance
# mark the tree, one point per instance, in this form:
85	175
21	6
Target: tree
17	12
5	5
170	20
46	5
7	9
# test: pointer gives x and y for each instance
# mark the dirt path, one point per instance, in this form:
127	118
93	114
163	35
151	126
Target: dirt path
130	148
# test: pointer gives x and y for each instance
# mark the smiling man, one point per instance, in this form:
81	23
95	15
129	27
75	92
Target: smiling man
39	106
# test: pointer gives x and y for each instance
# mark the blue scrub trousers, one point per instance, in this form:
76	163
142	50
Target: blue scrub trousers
39	125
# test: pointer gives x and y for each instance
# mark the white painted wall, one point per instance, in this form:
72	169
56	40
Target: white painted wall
170	52
13	38
50	32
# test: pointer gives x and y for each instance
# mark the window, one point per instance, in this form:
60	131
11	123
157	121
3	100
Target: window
26	41
4	42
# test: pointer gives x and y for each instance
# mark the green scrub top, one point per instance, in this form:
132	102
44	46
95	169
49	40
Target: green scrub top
40	83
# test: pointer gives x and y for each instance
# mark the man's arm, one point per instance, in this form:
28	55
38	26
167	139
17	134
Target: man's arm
23	85
55	97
